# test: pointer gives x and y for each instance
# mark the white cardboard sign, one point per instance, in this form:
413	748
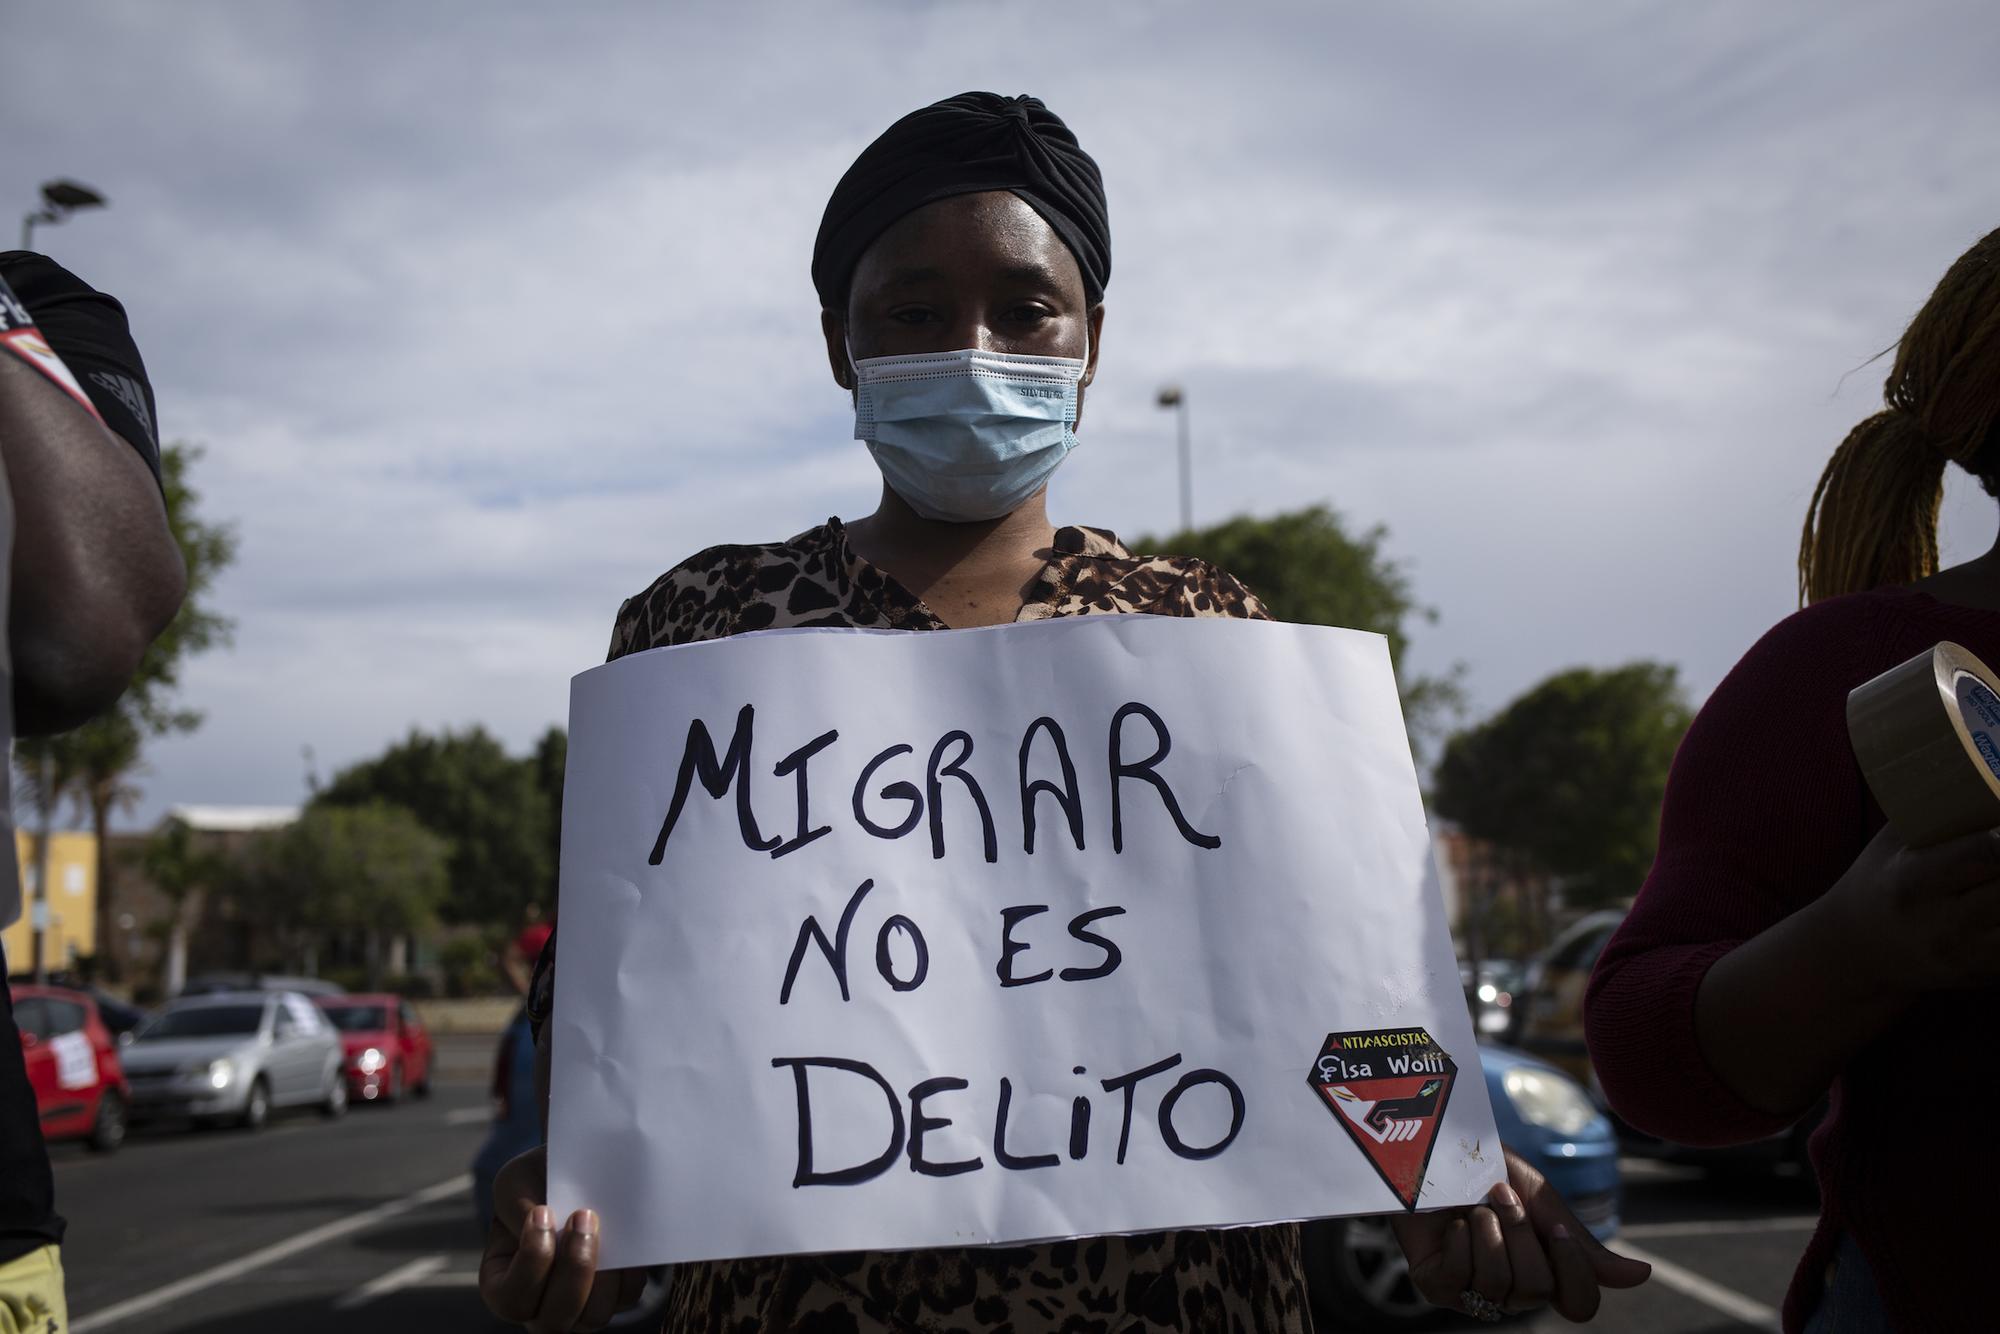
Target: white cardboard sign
876	940
76	1060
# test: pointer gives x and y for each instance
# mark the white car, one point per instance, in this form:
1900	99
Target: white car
235	1056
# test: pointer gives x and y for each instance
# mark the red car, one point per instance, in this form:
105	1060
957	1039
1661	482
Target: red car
387	1050
73	1066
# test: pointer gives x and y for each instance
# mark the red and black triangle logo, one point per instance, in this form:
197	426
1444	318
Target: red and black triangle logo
1388	1090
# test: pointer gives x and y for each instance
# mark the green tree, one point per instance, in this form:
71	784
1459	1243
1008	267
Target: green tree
369	870
1309	569
100	758
207	548
485	804
1566	781
550	760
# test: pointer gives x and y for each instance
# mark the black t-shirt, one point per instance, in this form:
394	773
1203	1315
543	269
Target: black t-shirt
87	330
28	1217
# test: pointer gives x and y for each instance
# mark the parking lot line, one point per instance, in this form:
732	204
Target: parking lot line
402	1276
1709	1293
223	1273
465	1116
1717	1227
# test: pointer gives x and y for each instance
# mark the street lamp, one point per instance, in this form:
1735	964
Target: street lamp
60	198
1172	396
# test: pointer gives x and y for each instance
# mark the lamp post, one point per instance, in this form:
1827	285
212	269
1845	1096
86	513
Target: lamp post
1173	396
60	198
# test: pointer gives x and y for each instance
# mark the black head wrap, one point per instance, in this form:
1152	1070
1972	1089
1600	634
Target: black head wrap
964	145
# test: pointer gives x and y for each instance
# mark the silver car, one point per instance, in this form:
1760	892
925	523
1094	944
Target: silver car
235	1056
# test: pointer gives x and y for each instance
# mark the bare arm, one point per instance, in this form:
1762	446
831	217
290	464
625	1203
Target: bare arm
96	573
1781	1015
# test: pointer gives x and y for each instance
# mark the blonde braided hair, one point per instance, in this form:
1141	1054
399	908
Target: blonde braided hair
1873	517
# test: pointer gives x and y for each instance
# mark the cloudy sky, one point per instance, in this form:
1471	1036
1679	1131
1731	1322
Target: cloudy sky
488	313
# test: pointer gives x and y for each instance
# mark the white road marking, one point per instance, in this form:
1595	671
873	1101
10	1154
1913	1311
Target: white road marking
223	1273
1709	1293
465	1116
402	1276
1719	1227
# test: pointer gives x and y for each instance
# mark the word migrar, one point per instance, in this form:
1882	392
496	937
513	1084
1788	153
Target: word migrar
894	791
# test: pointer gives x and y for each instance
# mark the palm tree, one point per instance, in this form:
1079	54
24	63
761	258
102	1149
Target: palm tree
106	756
47	767
179	868
90	767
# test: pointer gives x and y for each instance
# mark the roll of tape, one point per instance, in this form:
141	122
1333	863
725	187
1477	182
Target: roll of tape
1927	734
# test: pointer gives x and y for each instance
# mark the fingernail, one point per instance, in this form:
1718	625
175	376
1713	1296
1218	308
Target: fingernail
584	1221
540	1219
1507	1202
1560	1232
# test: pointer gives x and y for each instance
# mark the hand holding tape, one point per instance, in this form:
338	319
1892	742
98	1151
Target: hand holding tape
1927	734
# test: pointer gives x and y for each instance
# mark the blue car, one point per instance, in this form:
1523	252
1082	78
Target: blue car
1355	1270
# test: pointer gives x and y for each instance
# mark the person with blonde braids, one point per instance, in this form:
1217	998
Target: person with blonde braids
1873	518
1787	945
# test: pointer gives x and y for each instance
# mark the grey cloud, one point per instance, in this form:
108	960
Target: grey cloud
489	315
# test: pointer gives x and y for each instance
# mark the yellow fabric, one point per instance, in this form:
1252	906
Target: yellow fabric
31	1294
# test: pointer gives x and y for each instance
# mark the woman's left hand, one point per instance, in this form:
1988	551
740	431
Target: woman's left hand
1520	1250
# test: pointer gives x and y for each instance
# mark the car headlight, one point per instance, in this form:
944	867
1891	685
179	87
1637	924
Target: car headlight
220	1072
369	1061
1549	1100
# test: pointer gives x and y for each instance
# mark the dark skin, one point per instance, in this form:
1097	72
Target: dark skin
985	271
980	271
96	572
1780	1016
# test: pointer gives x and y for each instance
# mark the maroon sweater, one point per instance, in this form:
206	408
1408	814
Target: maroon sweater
1765	809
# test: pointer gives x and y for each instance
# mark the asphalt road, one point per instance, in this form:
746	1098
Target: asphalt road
366	1223
307	1226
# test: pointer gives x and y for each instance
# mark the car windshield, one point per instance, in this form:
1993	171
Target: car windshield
204	1021
358	1018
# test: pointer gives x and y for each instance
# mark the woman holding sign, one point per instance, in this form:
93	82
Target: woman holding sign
960	268
1788	943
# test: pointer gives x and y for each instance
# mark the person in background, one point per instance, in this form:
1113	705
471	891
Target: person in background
524	951
1787	944
89	574
972	235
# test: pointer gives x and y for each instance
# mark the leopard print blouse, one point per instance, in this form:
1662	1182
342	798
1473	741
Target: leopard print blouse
1237	1279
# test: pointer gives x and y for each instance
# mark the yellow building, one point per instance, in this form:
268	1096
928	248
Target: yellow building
72	901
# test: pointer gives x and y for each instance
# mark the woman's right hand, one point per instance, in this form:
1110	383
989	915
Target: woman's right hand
538	1277
1911	920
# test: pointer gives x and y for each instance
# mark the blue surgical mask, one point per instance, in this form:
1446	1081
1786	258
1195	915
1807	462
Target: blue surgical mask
968	435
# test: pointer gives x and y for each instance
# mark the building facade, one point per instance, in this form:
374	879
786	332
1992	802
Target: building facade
69	919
